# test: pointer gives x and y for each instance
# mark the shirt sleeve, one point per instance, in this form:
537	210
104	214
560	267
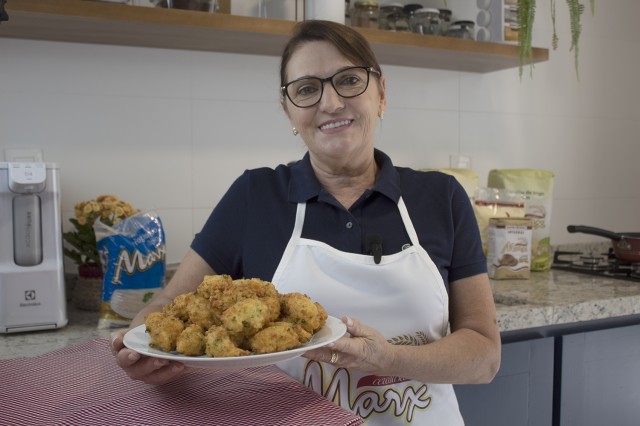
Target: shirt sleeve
220	241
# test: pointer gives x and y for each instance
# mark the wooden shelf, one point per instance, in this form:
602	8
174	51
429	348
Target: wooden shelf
86	21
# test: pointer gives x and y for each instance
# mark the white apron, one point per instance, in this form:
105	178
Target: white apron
403	297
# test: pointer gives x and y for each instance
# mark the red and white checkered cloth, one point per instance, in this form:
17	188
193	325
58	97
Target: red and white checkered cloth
82	385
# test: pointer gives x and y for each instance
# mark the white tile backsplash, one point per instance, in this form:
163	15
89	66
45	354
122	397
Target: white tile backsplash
170	130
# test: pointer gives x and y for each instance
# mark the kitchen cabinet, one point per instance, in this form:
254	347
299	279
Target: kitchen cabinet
577	374
600	378
520	394
85	21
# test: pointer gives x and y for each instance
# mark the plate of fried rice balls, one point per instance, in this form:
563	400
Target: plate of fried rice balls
227	323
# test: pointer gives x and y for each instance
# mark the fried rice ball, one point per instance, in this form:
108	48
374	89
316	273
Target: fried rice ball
273	306
223	292
298	308
214	284
303	335
322	315
202	313
164	330
225	296
275	337
218	343
179	307
257	287
246	317
193	308
191	341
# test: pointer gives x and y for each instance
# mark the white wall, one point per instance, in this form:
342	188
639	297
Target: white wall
170	130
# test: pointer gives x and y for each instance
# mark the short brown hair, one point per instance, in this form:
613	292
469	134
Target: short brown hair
348	41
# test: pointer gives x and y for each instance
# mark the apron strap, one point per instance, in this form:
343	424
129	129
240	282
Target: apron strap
297	227
404	213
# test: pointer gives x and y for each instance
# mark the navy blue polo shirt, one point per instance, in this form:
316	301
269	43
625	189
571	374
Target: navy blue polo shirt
247	232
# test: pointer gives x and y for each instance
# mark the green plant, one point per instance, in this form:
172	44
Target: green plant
82	239
526	15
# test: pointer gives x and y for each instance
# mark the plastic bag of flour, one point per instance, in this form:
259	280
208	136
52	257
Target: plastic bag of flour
489	203
132	253
537	185
466	177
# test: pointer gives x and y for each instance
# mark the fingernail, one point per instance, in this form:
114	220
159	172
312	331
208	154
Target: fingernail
133	356
159	363
177	368
349	321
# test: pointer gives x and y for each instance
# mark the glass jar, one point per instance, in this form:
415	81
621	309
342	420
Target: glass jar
462	29
410	11
392	18
511	32
426	21
365	14
445	20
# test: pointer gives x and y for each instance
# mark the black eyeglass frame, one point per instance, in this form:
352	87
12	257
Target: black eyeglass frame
285	93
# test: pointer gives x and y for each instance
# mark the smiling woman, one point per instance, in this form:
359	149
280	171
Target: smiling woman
395	253
334	78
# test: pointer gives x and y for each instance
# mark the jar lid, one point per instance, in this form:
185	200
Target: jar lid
392	9
428	10
465	23
411	8
394	4
367	3
445	11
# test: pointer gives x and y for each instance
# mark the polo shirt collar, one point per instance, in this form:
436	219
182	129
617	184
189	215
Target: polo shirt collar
304	185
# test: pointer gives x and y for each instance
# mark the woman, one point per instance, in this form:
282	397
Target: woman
394	252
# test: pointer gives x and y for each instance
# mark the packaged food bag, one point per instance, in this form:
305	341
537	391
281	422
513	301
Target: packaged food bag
537	185
509	248
467	178
132	253
489	203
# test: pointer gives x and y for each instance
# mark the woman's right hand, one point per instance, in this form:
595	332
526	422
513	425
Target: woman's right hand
149	370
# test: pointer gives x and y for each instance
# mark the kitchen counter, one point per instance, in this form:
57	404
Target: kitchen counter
556	298
549	299
80	328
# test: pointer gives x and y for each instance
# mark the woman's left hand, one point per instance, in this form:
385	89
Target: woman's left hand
364	349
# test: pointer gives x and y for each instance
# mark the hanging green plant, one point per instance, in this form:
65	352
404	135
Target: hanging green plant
575	12
526	16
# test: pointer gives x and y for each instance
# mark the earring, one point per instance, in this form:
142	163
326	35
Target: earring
381	115
294	131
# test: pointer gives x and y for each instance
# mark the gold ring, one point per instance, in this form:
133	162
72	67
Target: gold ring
334	357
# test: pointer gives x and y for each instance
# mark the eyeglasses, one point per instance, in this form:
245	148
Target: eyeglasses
350	82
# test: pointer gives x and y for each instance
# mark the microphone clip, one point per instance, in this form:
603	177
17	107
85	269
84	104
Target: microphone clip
375	248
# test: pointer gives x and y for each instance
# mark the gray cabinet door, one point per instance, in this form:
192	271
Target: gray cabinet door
521	393
601	378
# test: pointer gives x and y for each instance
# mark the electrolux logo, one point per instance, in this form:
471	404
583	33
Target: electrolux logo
30	298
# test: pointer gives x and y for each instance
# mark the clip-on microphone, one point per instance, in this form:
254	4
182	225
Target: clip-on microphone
374	242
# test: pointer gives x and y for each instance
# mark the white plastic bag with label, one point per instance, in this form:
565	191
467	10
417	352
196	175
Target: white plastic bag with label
132	253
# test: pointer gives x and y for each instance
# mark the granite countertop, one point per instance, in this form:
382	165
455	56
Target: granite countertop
546	299
562	297
82	326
